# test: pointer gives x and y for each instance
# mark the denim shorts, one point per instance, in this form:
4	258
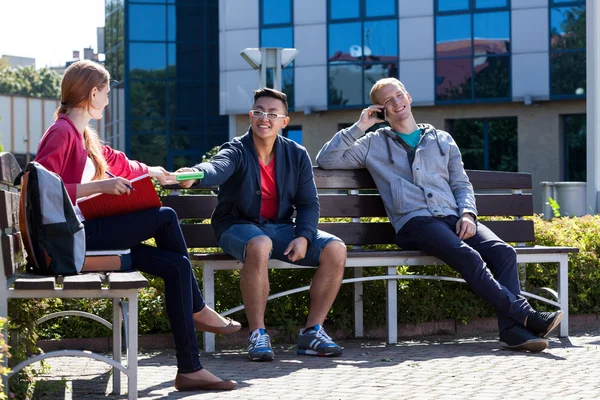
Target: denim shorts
234	240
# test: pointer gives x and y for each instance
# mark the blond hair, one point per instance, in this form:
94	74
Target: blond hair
381	83
76	85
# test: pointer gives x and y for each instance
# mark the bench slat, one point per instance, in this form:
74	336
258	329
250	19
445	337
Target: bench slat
34	282
87	281
496	180
126	280
201	235
201	207
13	253
9	209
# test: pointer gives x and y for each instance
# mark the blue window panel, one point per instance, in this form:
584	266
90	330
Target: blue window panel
171	23
567	28
380	8
374	72
452	5
453	35
295	135
453	78
492	77
190	61
574	127
147	60
147	22
491	32
147	1
277	37
381	39
345	85
150	149
345	42
342	9
568	73
186	98
491	3
147	99
276	12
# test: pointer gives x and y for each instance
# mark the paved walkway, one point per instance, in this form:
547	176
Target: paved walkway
424	369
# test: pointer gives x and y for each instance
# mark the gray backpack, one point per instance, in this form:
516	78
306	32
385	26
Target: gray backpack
53	236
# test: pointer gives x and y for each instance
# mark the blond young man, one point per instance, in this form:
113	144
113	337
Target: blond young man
429	200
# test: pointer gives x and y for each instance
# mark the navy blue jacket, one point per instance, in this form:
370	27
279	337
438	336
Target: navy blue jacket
235	169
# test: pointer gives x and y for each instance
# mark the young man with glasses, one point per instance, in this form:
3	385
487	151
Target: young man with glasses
263	179
430	202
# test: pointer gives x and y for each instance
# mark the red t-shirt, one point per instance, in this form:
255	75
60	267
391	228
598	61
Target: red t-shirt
269	206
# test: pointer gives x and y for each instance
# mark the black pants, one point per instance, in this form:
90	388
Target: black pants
485	262
169	260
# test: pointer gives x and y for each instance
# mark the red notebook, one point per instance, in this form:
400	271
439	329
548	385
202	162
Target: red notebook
105	205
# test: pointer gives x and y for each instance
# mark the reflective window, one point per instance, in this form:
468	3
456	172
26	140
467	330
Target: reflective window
149	149
567	49
361	50
487	144
379	39
277	37
276	12
294	133
468	48
343	9
574	133
147	60
147	22
186	97
148	125
345	42
380	8
344	85
490	3
147	99
452	5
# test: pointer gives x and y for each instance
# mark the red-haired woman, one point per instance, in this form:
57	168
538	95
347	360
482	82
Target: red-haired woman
73	150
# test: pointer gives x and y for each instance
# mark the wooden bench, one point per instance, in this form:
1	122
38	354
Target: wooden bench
352	194
122	288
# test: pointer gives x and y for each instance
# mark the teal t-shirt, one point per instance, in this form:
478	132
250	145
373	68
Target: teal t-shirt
411	139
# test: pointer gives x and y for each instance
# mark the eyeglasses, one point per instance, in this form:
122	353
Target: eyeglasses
260	114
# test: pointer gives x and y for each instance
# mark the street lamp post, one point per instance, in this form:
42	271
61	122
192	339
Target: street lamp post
592	103
266	58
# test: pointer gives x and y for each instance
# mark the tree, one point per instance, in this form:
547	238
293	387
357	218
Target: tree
27	81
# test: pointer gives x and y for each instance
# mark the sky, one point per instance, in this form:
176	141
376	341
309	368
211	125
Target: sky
49	30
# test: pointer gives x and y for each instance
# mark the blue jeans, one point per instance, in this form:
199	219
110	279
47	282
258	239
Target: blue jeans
169	260
484	261
234	240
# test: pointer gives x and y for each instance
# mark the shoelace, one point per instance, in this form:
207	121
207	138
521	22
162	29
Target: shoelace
259	340
321	334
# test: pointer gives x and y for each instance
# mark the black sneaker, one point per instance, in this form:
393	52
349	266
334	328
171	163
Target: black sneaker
516	337
542	323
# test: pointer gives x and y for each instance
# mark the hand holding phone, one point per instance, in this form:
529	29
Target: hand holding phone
380	114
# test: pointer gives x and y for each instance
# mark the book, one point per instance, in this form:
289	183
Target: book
107	260
106	205
183	176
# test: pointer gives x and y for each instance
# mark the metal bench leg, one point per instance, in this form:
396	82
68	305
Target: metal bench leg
563	294
392	307
132	346
116	345
358	304
208	286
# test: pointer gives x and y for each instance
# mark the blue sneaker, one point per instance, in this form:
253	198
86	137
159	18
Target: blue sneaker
315	342
259	347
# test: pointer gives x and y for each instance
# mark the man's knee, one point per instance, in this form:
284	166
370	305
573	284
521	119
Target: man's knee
335	253
259	248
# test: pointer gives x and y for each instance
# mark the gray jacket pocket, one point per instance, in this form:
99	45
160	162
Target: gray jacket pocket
406	196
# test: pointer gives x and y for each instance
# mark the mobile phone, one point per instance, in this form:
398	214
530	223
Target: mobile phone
380	114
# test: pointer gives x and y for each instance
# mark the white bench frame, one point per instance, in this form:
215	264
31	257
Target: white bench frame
124	311
560	297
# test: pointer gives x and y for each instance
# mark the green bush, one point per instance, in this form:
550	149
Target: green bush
418	300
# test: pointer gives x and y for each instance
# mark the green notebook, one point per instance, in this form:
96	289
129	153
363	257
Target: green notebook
186	176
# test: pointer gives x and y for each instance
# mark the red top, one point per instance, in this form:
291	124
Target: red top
61	150
269	205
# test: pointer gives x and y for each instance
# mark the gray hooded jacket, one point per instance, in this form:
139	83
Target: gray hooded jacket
434	185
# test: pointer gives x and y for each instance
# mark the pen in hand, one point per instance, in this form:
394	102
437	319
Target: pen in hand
112	176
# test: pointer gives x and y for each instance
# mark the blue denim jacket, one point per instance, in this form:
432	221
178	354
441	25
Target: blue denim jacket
235	169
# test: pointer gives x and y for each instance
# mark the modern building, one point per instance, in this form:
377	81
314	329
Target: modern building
16	61
164	107
506	78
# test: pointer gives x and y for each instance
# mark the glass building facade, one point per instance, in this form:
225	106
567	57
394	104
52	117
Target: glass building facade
163	56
